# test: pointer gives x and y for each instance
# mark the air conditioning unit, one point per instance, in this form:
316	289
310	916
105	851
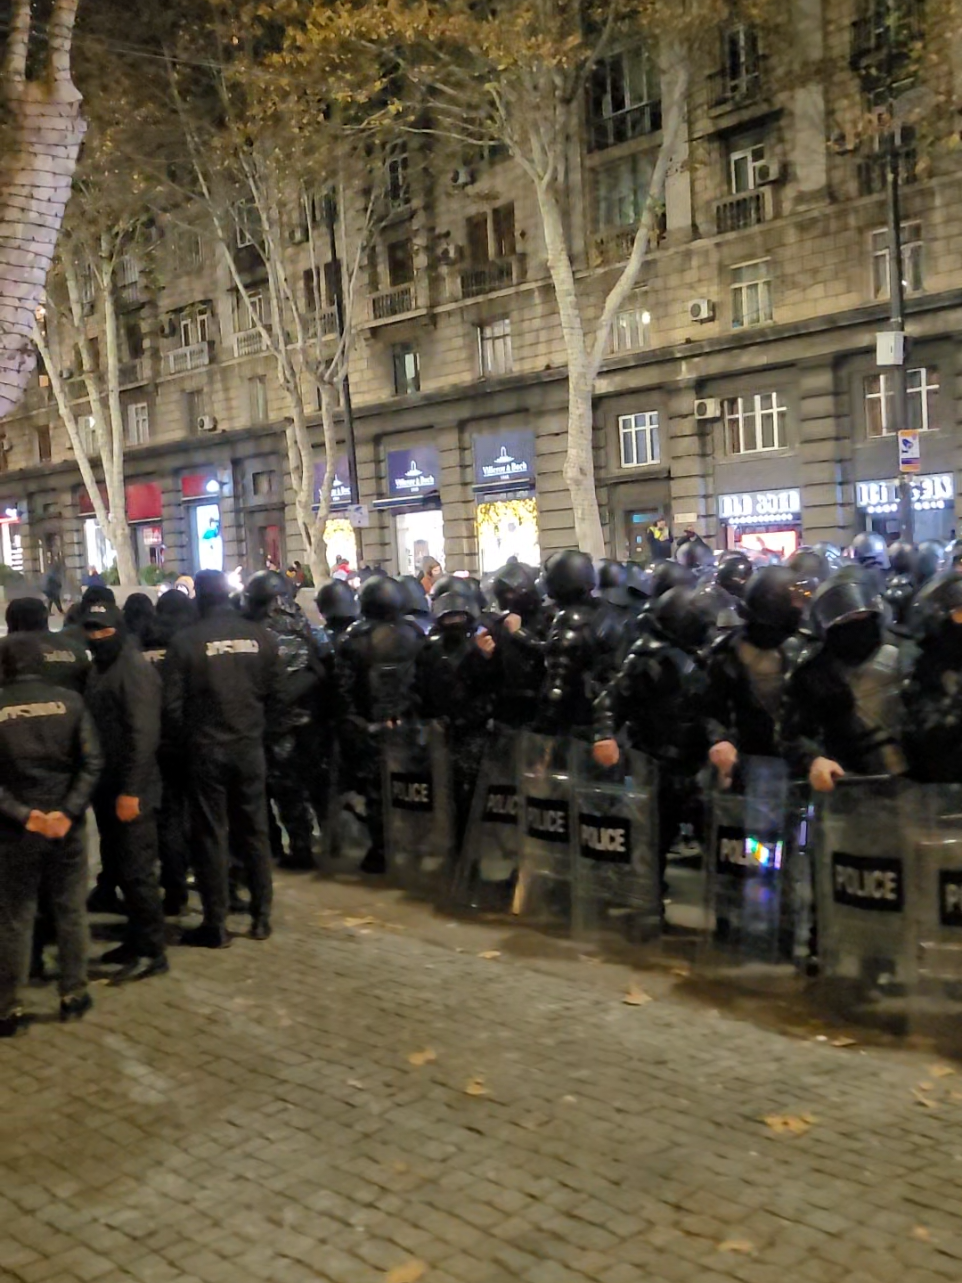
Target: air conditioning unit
706	408
462	177
298	235
206	423
701	310
770	171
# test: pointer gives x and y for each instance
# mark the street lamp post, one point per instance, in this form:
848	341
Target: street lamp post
896	372
330	210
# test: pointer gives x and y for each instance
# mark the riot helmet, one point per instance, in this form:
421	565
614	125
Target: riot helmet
337	601
771	607
516	590
265	587
847	614
938	608
734	573
415	598
382	599
904	558
450	583
455	609
953	553
570	577
870	549
637	584
682	620
830	551
667	575
612	581
694	553
809	565
931	559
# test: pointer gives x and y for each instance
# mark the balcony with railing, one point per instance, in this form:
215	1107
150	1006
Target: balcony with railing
613	246
131	294
195	356
731	88
499	274
395	302
249	343
872	171
131	374
886	34
743	210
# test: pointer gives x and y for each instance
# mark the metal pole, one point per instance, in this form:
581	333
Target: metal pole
330	210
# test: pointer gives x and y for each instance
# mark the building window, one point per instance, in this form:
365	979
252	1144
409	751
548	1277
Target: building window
742	61
186	331
400	263
754	423
639	439
247	225
476	235
624	99
252	308
44	443
494	345
747	168
751	294
922	388
502	228
629	331
262	484
135	340
87	427
407	369
203	325
195	407
138	423
332	278
257	398
621	191
912	280
398	182
127	271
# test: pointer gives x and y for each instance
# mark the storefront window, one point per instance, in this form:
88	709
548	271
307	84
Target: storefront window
99	550
508	528
11	545
419	535
210	545
341	541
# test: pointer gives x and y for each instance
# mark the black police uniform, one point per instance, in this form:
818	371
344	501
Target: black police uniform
375	670
124	697
521	654
50	760
223	696
932	734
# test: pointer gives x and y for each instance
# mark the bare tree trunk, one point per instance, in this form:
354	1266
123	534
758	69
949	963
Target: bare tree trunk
40	146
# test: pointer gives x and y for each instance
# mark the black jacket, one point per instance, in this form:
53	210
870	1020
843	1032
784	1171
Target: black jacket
821	718
375	667
124	702
656	695
580	659
521	670
457	682
305	676
50	759
223	683
932	735
65	659
735	706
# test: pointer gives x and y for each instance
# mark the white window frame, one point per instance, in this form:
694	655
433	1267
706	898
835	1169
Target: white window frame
186	331
494	348
87	427
138	423
639	430
253	306
203	322
630	330
621	191
913	247
751	294
641	82
244	218
257	398
749	414
921	383
754	157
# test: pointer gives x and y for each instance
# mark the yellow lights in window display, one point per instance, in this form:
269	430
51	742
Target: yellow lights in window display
508	528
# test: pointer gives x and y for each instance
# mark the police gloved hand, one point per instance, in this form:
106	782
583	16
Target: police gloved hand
823	774
724	757
128	808
485	643
606	753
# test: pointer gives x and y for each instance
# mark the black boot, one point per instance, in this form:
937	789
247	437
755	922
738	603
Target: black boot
206	937
75	1006
260	929
13	1023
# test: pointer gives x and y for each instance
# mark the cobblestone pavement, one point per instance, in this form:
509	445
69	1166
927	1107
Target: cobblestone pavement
256	1115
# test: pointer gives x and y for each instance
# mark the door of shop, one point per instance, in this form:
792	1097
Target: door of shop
639	524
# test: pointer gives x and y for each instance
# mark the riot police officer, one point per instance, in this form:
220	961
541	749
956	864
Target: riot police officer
65	659
457	676
49	763
933	692
842	707
338	606
417	608
519	632
375	670
224	684
746	672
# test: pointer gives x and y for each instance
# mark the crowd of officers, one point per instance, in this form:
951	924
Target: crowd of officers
203	731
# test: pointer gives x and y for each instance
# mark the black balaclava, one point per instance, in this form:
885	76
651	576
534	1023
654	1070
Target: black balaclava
105	650
766	636
856	641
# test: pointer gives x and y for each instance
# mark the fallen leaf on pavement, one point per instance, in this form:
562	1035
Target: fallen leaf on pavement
589	957
843	1042
789	1124
923	1234
425	1057
475	1087
358	922
926	1086
683	972
636	997
925	1101
400	1167
353	1082
941	1071
490	954
409	1272
743	1245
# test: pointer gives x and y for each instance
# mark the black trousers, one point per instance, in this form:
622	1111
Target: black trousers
130	852
173	831
30	864
229	806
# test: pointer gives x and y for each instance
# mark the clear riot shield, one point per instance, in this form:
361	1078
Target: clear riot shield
748	867
488	864
866	926
932	819
543	889
418	811
616	883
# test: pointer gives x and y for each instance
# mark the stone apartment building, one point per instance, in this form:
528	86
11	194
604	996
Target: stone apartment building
741	395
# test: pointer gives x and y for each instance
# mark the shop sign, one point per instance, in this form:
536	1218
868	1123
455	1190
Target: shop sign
341	485
930	492
153	536
200	485
910	450
505	456
412	472
760	507
10	512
